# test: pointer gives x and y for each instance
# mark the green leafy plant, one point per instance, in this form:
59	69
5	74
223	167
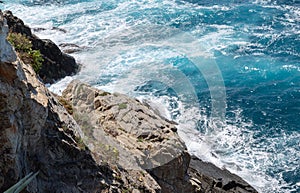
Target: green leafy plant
24	47
37	60
18	187
19	42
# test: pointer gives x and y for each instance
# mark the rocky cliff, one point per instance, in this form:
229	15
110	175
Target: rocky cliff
90	140
56	64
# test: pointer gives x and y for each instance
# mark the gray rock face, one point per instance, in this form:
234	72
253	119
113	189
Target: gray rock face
142	138
37	134
123	131
6	51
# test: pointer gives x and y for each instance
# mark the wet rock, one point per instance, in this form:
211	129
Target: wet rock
70	48
213	179
59	29
38	29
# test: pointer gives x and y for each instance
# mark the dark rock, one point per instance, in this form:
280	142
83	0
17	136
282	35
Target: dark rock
56	64
59	29
16	25
172	176
38	29
217	180
70	48
37	134
68	45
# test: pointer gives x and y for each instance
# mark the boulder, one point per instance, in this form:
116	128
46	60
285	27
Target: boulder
126	132
56	64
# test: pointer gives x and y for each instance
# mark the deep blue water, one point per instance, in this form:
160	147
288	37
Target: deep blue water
227	71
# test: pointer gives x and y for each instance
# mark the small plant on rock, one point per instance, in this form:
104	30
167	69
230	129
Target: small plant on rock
37	60
80	143
24	48
68	106
19	42
122	106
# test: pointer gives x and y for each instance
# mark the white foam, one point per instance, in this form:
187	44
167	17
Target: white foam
59	86
117	48
291	67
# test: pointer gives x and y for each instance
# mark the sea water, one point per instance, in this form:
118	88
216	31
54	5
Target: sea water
227	71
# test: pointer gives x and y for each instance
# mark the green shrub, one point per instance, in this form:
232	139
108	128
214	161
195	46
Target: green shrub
37	60
24	47
19	42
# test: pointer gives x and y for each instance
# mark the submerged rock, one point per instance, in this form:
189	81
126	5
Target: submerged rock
70	48
56	64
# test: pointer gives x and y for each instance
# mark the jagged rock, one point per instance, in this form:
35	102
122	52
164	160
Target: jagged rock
126	132
126	124
56	64
141	138
172	176
213	179
37	134
6	54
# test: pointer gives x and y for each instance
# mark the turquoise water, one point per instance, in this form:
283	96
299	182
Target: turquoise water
228	72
